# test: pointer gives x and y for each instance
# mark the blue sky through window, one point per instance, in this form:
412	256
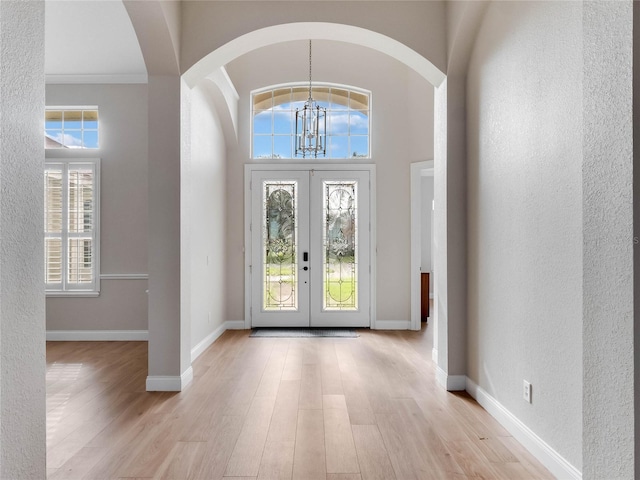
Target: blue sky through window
71	128
348	121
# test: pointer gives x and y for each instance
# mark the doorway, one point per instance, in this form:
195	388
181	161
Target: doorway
420	210
309	247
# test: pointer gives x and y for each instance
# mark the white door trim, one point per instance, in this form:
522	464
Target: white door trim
248	171
416	237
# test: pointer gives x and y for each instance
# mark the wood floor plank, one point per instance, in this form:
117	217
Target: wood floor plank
277	458
219	447
338	439
247	453
407	460
272	374
329	369
535	468
292	369
358	406
78	466
182	461
310	387
470	459
428	439
372	454
309	458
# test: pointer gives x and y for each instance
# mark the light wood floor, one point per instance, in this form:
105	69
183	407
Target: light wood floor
310	408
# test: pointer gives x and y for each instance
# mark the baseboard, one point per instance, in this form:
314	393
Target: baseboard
451	383
434	355
164	383
393	325
235	324
207	341
551	459
97	335
213	336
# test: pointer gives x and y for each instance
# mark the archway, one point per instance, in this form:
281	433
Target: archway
314	31
209	66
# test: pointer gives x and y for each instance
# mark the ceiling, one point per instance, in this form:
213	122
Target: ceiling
91	41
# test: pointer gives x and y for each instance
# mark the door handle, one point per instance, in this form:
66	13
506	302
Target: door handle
305	257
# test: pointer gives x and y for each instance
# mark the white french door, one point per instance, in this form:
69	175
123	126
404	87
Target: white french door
310	248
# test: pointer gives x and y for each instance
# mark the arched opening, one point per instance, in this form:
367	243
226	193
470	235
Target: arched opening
221	79
403	97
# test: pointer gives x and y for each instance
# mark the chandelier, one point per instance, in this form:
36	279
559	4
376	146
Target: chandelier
311	125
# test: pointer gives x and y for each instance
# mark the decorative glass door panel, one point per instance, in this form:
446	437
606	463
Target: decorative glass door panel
310	248
340	246
279	233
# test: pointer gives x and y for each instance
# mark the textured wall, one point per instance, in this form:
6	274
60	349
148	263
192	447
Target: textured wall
122	304
524	105
22	354
608	330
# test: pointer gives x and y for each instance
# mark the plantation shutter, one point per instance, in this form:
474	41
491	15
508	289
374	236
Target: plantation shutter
53	222
70	226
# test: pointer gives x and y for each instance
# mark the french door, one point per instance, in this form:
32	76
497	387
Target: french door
310	248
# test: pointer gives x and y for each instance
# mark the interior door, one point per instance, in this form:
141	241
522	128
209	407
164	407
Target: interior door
310	248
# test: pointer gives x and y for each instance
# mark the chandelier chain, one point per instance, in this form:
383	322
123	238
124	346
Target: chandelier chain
309	69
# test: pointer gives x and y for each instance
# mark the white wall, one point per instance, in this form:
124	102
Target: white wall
122	304
524	112
22	347
206	192
397	94
418	25
611	446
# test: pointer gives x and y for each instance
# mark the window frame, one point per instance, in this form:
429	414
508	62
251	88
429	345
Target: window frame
74	108
315	85
65	288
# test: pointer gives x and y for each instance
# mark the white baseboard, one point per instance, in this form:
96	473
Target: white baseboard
392	325
97	335
164	383
235	325
551	459
451	383
207	341
213	336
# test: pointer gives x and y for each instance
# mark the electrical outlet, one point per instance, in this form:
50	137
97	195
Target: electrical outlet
526	392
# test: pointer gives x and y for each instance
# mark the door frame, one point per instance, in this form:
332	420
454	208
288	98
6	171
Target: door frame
418	169
248	171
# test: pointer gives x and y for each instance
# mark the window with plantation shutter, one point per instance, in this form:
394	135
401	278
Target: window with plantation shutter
71	191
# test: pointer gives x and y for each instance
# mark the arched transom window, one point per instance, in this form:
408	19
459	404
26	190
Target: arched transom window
348	120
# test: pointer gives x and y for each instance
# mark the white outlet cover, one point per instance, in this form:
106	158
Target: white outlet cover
526	391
